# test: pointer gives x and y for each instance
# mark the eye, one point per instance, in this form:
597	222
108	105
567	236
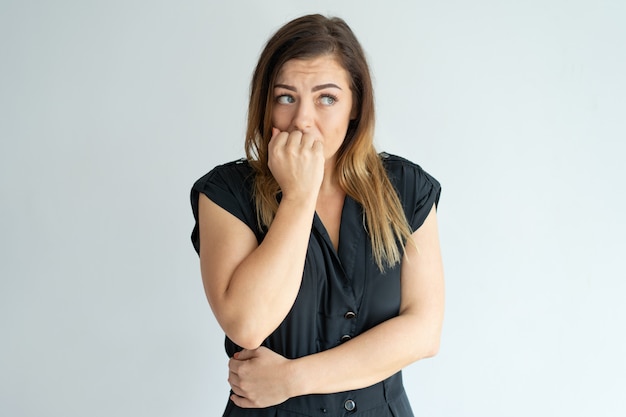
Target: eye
328	100
285	99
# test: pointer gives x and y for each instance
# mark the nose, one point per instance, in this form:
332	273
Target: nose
303	118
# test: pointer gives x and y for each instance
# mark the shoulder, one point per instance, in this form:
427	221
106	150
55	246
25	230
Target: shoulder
234	174
230	186
417	189
390	161
401	171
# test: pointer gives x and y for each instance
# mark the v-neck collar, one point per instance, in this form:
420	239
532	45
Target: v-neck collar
351	235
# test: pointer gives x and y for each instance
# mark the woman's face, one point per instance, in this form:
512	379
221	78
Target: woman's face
314	96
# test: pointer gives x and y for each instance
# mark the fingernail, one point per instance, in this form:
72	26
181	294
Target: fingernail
275	131
236	355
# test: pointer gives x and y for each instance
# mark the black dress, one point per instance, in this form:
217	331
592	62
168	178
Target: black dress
343	293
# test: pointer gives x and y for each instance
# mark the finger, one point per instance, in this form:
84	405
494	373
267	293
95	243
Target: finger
233	366
236	388
242	402
318	146
278	141
233	382
309	140
245	355
275	132
294	139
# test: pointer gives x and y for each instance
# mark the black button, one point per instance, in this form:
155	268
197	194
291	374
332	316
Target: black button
349	405
350	315
345	338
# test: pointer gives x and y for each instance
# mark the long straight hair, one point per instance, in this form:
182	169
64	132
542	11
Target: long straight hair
360	170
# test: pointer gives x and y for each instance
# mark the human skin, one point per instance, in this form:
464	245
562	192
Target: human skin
252	287
313	96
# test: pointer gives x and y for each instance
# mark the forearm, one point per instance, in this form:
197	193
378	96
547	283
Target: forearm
264	286
367	359
388	347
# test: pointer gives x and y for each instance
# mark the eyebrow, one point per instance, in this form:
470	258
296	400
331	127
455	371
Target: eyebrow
314	89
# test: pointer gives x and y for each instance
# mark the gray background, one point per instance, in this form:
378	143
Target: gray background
109	110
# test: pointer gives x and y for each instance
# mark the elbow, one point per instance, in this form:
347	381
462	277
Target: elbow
243	330
429	342
246	342
432	349
426	349
246	337
433	344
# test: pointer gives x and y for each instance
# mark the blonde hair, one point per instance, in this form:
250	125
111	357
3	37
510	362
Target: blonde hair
360	169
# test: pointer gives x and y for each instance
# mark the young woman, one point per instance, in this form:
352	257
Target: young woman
319	257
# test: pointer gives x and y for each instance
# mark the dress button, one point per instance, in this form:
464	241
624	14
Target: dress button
349	405
345	338
350	315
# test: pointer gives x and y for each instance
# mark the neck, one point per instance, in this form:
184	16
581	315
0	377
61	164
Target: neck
330	183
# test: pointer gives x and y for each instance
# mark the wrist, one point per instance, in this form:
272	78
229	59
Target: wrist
299	198
298	381
297	208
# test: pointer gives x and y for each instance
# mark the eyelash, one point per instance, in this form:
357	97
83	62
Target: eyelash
330	96
292	99
280	96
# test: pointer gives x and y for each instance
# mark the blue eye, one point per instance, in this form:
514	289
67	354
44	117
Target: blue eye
285	99
328	100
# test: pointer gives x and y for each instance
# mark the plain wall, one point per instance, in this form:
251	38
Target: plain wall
109	111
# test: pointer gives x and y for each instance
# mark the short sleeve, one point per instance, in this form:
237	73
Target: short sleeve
230	187
418	191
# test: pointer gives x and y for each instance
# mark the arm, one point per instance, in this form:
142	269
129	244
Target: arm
412	335
251	287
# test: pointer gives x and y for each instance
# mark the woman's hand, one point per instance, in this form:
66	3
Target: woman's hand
259	378
296	160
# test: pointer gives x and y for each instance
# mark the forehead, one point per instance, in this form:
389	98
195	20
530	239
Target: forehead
325	67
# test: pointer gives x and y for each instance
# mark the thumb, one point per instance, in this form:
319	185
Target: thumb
275	132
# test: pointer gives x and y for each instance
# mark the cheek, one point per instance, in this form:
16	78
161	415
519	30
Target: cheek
281	119
339	122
